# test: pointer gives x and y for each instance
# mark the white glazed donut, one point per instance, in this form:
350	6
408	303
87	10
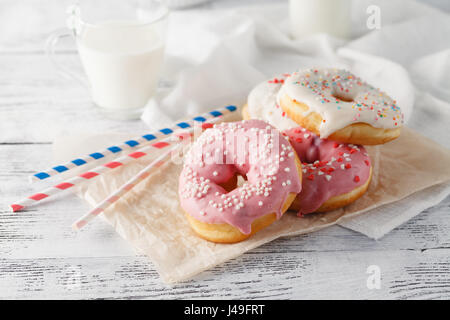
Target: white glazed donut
337	105
262	104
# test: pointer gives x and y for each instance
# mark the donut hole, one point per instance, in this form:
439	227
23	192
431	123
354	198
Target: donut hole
235	181
342	96
310	155
241	179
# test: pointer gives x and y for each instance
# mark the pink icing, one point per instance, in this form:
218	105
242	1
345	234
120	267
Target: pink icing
329	168
250	148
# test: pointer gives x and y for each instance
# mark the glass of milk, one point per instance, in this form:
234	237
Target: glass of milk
320	16
121	47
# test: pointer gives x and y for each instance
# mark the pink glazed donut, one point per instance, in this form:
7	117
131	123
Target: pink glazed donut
257	152
334	174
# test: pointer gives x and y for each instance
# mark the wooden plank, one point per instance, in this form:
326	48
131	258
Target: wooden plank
29	32
36	104
310	275
44	230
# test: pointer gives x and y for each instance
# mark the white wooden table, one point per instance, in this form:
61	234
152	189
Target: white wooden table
41	257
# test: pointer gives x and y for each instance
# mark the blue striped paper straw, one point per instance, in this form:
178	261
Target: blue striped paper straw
132	143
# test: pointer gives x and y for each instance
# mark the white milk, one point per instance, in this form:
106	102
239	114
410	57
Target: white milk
122	60
317	16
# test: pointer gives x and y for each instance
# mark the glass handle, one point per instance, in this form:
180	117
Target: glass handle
51	44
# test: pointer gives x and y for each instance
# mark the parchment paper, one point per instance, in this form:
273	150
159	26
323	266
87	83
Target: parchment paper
150	219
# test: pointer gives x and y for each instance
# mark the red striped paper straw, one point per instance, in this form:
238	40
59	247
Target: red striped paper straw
130	184
69	183
134	143
120	161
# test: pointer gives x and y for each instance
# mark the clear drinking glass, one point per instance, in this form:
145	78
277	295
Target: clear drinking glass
329	16
121	47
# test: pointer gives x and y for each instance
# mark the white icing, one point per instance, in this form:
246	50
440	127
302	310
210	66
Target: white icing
318	89
262	104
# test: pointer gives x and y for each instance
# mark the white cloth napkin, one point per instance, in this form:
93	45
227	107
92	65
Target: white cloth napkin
219	56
